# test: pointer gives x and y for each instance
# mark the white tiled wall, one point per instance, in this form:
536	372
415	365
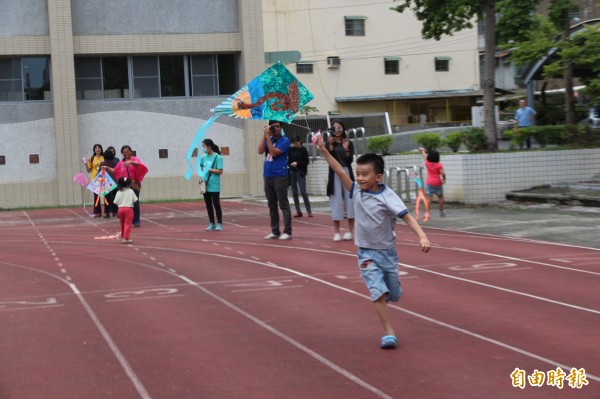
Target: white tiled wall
483	178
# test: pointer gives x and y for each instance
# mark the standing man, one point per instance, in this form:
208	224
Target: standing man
525	117
276	147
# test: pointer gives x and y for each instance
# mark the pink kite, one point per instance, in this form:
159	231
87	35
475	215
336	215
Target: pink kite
81	178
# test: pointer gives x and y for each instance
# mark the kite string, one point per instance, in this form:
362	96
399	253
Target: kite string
200	134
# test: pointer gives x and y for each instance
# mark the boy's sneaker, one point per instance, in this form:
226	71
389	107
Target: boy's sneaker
210	227
442	214
347	236
337	237
285	236
271	236
388	342
219	227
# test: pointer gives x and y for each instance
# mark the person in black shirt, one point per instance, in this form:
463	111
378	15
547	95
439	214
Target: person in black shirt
298	163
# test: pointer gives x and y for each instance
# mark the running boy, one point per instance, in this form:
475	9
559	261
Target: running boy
376	208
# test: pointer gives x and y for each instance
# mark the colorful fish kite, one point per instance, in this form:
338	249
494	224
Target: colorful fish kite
102	185
274	94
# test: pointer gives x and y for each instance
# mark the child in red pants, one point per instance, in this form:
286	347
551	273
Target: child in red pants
125	199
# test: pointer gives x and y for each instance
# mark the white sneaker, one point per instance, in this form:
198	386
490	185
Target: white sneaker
347	236
285	236
337	237
270	236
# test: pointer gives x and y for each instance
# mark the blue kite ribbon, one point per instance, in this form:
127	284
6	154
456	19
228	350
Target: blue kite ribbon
195	145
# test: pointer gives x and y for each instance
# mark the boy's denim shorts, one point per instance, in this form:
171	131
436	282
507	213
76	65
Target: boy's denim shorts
431	190
379	270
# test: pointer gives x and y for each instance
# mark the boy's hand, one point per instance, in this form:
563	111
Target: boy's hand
319	142
425	244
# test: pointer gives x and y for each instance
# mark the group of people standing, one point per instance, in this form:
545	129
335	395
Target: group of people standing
128	172
286	164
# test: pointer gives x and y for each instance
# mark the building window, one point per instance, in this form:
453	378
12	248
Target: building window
442	64
304	67
88	78
25	79
391	65
145	77
204	75
228	74
172	76
115	77
100	78
355	25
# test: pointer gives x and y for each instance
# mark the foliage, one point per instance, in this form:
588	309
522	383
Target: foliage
430	141
380	144
442	17
530	50
517	21
586	52
579	135
307	109
454	140
475	139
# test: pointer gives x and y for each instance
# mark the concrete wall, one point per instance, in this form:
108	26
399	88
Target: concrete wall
23	18
126	17
484	178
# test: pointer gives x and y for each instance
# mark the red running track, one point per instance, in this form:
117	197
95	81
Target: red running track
185	313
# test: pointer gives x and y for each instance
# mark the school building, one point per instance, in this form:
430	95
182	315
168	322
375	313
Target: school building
140	72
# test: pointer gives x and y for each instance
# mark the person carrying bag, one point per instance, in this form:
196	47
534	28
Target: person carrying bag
210	187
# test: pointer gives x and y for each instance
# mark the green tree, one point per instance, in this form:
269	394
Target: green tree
553	35
588	54
443	17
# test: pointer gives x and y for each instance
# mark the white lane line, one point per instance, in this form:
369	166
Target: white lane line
539	298
323	360
519	259
268	289
32	307
103	332
135	380
350	291
144	298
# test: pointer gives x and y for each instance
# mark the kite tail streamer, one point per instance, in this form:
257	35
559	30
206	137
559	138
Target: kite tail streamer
195	144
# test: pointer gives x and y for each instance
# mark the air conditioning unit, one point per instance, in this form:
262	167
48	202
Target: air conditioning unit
333	62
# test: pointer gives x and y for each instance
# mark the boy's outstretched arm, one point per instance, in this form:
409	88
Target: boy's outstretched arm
334	164
412	223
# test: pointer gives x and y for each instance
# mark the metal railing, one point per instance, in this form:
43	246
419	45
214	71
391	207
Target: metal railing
356	135
405	183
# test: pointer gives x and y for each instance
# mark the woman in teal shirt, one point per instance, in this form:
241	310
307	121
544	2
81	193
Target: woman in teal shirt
211	168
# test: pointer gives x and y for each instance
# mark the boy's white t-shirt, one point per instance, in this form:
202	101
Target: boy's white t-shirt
125	198
375	216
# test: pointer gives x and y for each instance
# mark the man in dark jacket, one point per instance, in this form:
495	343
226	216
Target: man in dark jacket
298	162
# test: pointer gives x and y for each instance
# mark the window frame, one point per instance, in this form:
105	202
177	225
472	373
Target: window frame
18	79
305	67
391	65
355	25
150	72
442	64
